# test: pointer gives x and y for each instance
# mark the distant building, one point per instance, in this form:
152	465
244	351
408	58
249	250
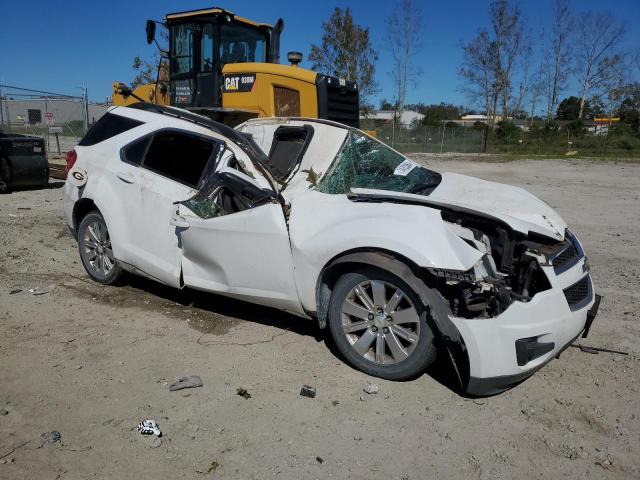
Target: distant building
61	111
407	118
471	120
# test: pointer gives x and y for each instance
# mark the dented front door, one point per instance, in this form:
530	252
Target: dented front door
244	254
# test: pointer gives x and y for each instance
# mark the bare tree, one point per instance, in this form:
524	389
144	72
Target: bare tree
506	22
597	36
478	71
492	58
403	40
526	78
613	84
346	52
559	53
537	88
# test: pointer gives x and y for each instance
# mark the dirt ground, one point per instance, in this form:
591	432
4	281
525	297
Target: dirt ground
90	362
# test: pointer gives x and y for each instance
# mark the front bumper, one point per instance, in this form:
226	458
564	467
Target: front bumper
494	385
547	320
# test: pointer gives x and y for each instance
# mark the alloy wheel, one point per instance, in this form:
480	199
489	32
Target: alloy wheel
96	247
380	322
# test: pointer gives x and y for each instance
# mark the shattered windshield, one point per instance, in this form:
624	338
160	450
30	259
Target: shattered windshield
364	162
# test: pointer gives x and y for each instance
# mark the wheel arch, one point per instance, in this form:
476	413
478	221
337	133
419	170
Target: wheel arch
80	210
415	277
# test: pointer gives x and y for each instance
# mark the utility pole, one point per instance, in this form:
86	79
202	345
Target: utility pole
1	110
85	107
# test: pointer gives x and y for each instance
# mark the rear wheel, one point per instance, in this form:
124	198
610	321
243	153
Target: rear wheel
380	325
96	253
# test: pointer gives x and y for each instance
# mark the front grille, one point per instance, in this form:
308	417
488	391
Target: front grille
338	100
564	259
579	294
568	256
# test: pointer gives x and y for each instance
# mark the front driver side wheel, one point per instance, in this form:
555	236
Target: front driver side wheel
380	325
95	248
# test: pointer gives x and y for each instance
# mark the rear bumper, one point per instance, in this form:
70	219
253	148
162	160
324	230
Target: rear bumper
493	385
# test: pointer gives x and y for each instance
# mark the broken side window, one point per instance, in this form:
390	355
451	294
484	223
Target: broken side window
179	156
364	162
214	199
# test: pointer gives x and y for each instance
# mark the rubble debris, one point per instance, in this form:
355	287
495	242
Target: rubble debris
186	382
41	290
335	403
148	427
606	464
50	437
596	350
4	455
243	393
14	291
371	389
308	391
156	443
4	411
212	468
319	460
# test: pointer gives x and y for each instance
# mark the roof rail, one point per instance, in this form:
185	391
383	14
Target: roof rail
243	140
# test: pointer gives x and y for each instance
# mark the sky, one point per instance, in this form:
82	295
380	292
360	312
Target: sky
58	46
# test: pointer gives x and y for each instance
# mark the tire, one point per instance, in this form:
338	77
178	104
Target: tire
94	245
399	322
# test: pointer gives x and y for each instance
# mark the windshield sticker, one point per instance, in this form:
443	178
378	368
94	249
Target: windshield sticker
404	168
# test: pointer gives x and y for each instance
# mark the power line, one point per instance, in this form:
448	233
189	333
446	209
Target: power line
38	91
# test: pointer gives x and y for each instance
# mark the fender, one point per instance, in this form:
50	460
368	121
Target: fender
439	310
323	227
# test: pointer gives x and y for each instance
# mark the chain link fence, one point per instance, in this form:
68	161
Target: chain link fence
443	138
61	120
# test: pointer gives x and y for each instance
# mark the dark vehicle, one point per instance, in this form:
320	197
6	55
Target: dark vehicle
23	162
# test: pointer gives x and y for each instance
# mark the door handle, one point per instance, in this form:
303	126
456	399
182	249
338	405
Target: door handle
126	177
179	222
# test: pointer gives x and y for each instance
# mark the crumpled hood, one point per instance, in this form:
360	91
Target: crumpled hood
518	208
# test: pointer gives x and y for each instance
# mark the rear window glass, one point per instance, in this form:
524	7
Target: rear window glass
108	126
178	156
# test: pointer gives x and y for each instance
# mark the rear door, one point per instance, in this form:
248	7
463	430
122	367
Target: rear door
174	162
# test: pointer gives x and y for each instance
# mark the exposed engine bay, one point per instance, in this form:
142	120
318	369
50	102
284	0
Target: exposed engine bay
510	269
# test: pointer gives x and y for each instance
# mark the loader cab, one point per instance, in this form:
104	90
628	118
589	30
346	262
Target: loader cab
202	42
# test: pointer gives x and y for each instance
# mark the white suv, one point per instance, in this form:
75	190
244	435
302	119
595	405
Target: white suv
326	222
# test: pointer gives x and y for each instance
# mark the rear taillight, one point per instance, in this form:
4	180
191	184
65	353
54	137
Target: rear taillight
72	156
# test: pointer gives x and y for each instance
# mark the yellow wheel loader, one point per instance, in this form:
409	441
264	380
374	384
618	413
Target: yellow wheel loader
227	68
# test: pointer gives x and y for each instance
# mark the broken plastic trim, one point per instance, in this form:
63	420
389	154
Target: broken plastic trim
467	276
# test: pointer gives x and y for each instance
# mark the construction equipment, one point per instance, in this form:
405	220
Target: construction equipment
227	68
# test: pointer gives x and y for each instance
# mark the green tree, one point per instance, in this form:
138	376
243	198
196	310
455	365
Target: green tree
569	109
346	52
386	105
629	111
435	114
146	69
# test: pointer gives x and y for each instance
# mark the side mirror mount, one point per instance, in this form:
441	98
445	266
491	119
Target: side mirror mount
151	31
